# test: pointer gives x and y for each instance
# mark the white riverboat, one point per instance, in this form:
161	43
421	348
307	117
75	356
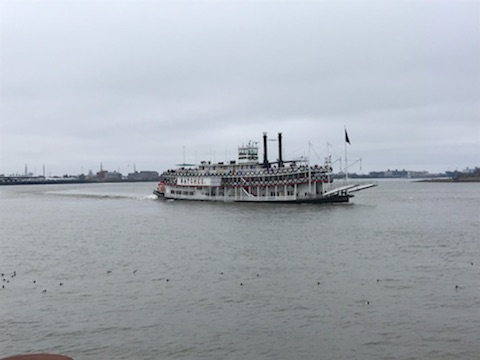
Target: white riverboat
249	180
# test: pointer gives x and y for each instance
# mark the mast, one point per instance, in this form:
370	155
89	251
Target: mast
347	140
346	163
328	164
309	170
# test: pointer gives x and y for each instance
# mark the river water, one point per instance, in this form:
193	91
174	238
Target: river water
106	271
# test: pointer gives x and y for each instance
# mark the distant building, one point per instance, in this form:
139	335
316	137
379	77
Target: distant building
104	175
398	174
418	174
143	176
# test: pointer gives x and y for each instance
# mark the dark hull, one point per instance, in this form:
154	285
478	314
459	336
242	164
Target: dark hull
159	194
325	200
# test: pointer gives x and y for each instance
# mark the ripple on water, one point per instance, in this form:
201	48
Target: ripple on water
318	267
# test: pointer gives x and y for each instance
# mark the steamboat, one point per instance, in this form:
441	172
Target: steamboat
249	180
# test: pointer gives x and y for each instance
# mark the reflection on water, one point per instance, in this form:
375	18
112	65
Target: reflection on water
392	275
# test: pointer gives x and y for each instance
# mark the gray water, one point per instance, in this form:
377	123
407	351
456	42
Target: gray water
393	275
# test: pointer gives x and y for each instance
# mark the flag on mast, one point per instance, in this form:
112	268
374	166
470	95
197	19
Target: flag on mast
346	137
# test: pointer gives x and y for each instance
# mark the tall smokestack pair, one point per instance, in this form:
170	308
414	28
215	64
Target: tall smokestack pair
266	164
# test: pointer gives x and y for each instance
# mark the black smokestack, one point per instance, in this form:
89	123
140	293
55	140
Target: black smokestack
265	155
280	159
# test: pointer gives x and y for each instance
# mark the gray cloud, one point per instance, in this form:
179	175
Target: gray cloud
84	82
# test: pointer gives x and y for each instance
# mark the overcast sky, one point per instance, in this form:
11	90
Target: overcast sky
144	82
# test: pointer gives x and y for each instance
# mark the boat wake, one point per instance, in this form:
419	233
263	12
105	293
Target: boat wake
150	197
102	196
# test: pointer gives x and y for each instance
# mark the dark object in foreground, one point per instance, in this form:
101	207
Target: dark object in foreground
38	357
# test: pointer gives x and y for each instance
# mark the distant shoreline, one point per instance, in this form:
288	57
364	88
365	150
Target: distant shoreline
62	182
450	180
77	181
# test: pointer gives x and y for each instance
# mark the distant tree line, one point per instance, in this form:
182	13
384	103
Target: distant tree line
473	175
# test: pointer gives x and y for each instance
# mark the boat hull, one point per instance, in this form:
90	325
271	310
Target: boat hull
325	200
319	200
159	194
